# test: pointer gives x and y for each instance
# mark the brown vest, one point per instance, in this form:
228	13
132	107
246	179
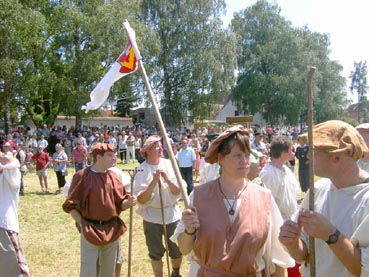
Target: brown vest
226	249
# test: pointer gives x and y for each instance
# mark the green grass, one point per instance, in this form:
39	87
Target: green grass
50	239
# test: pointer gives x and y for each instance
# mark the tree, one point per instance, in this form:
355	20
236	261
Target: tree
21	39
273	62
359	84
192	59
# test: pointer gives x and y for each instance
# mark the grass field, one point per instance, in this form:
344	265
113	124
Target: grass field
51	242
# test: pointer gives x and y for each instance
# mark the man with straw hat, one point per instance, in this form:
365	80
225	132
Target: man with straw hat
340	220
157	193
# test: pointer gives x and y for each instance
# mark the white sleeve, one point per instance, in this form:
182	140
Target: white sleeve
12	175
278	253
269	180
360	238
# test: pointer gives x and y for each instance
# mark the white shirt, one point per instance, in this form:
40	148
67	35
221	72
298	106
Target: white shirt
151	210
348	210
9	197
284	188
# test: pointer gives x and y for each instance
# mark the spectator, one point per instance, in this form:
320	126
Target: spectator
21	157
42	162
60	161
186	160
79	156
302	156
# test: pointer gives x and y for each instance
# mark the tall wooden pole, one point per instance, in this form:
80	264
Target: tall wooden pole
311	165
165	137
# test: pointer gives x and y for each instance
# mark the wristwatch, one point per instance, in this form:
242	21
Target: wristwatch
334	237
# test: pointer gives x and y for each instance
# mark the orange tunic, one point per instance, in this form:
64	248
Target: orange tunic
226	249
97	197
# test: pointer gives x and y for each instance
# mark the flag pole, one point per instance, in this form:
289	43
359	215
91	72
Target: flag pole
165	136
311	166
163	131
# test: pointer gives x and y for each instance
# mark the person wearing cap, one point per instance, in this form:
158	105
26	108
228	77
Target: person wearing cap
96	198
156	171
363	129
340	220
7	149
42	160
12	259
258	143
233	224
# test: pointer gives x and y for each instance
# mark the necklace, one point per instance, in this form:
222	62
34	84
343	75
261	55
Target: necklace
231	210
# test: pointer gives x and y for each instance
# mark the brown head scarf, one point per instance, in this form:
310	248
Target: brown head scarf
212	153
149	142
338	137
101	148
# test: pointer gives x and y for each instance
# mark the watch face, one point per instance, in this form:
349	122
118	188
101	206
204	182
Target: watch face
334	237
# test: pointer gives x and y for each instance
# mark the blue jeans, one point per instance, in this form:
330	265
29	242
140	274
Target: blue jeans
79	166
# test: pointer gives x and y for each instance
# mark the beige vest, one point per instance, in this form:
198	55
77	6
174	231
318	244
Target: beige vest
226	249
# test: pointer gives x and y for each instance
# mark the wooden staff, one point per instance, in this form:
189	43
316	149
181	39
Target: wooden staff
164	228
311	166
132	173
165	137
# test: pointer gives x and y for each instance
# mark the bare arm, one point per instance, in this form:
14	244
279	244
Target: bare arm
279	272
317	226
76	216
289	236
186	240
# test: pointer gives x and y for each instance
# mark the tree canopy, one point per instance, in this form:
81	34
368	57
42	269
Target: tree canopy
54	53
273	61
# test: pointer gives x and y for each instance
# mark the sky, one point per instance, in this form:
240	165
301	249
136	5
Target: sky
346	22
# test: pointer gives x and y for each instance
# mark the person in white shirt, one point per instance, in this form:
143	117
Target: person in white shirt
277	177
43	143
155	183
12	262
340	219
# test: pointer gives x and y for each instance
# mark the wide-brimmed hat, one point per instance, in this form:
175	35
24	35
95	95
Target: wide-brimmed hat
211	155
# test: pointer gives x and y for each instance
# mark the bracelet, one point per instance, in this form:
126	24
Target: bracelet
190	234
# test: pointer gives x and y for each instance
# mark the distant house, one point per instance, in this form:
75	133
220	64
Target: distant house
352	112
229	109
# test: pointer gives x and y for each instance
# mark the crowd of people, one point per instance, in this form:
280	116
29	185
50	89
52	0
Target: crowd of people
244	218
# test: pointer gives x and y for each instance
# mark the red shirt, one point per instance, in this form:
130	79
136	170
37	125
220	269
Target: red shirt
42	160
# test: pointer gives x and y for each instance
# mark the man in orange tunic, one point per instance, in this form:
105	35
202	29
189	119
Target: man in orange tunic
96	198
